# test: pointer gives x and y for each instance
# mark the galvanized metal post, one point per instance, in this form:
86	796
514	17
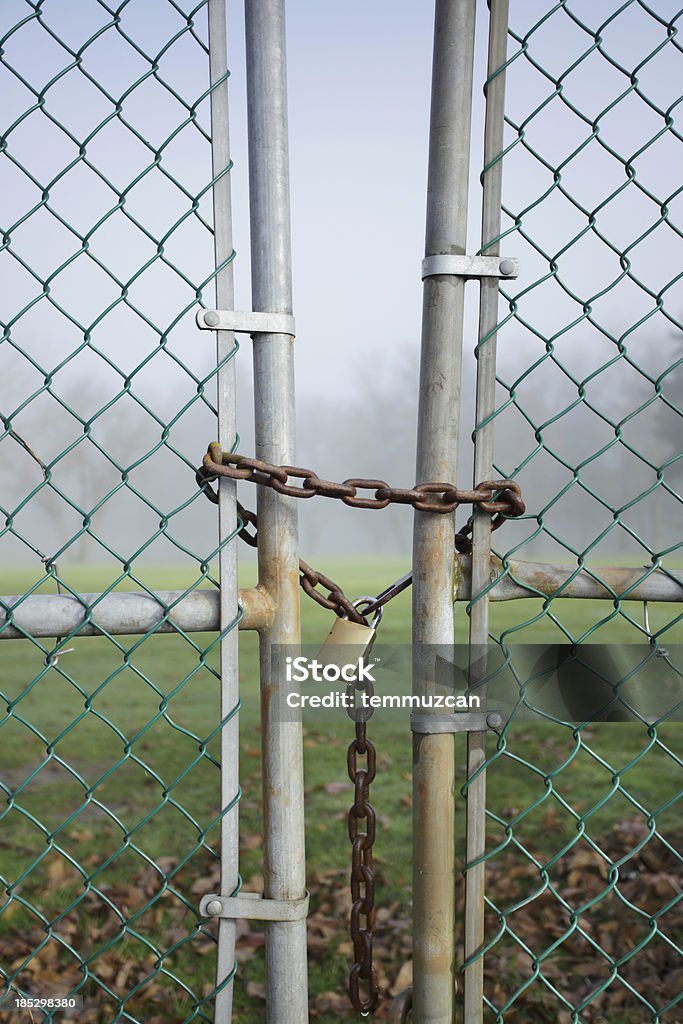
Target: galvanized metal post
433	547
227	512
282	742
481	527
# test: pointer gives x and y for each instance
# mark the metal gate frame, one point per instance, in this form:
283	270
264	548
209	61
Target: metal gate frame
448	267
283	903
272	607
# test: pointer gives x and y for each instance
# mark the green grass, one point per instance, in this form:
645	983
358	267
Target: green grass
88	744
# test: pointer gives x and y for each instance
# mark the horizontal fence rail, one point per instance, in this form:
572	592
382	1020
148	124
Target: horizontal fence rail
168	611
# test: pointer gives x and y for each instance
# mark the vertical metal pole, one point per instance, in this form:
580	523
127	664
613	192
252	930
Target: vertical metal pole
227	514
433	547
282	742
483	470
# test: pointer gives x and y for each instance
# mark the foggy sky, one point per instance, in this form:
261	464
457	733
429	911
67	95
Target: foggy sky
359	79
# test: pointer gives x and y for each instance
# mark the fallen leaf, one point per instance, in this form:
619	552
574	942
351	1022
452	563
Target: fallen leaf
256	990
403	979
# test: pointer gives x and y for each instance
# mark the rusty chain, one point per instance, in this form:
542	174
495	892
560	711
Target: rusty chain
362	873
309	578
363	983
444	498
430	497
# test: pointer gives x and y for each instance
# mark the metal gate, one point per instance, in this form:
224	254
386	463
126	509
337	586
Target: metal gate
585	136
118	258
103	181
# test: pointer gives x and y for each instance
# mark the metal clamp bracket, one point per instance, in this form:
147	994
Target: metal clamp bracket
470	266
253	906
245	323
468	721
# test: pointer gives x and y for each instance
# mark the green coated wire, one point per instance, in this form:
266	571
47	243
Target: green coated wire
532	987
22	890
163	960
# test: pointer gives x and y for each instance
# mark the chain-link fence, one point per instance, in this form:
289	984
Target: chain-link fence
583	919
110	746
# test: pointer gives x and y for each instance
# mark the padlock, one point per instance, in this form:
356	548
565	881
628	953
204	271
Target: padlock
347	647
348	644
354	640
348	641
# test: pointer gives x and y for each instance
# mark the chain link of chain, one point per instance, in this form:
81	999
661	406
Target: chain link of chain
430	497
509	503
309	578
363	983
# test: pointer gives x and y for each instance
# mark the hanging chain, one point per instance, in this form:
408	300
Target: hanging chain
362	873
363	985
499	498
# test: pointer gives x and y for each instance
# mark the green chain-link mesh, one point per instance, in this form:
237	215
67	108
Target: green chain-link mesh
590	362
110	752
105	328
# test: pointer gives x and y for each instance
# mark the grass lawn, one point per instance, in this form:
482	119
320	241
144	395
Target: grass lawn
103	756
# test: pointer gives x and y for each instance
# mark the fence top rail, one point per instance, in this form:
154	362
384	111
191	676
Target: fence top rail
123	613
